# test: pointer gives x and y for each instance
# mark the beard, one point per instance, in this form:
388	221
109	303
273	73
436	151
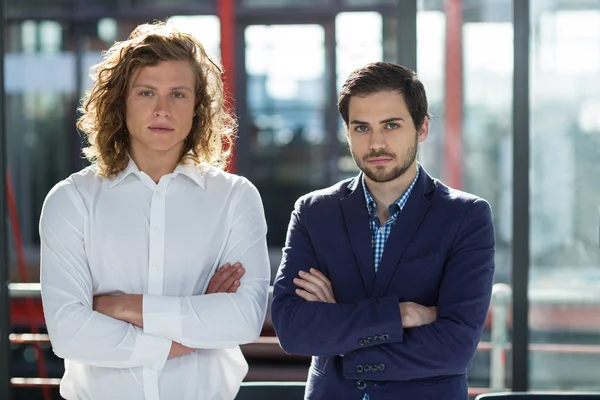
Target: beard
378	173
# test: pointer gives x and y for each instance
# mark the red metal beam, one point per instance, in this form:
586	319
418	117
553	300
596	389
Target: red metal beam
453	95
226	14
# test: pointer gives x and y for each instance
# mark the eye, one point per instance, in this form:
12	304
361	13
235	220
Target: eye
361	128
146	93
392	125
178	95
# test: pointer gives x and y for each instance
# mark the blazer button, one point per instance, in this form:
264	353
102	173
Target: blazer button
385	336
369	340
359	368
361	385
381	367
377	338
367	368
362	342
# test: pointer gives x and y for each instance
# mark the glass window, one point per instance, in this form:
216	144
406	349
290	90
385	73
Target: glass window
564	291
364	3
286	100
466	67
283	3
206	28
40	109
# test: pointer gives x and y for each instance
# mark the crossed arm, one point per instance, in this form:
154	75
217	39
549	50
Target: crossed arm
129	307
316	287
107	331
419	341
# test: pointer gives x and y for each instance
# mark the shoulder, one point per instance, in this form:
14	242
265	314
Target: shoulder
327	196
219	182
460	201
71	193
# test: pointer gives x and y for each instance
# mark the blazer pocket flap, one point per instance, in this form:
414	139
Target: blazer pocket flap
426	260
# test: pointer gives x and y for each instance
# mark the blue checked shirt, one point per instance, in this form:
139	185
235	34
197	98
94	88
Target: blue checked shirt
379	234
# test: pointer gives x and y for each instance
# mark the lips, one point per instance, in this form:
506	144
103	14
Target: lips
160	128
379	161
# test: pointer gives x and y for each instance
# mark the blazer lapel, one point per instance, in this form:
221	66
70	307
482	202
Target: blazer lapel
356	217
405	227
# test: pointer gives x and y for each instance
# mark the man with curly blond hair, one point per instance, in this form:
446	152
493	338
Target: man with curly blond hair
154	263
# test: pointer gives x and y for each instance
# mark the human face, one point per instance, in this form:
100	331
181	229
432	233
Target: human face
382	136
160	109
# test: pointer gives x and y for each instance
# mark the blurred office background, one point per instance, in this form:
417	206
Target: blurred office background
287	61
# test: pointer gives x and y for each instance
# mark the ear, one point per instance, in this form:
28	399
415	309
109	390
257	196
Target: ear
423	130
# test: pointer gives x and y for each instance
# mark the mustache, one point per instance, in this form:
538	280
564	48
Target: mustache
379	154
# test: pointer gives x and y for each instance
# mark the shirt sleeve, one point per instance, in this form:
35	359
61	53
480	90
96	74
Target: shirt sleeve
222	320
76	331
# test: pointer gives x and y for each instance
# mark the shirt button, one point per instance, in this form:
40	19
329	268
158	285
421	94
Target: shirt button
155	265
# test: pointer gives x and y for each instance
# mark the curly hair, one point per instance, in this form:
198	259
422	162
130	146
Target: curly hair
103	108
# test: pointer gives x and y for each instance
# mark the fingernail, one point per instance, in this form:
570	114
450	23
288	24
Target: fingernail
301	273
226	266
237	265
236	282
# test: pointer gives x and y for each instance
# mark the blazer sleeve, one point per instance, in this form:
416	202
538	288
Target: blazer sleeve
315	328
447	346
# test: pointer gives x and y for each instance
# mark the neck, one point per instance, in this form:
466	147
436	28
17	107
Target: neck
385	193
156	164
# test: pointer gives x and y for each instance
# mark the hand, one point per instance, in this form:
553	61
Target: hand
178	350
125	307
226	279
414	314
316	286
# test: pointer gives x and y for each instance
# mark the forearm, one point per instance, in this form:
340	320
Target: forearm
315	328
441	348
79	334
219	320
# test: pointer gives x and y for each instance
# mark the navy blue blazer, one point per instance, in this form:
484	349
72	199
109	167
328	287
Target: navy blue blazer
440	252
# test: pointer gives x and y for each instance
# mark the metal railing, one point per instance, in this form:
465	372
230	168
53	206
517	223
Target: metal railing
268	346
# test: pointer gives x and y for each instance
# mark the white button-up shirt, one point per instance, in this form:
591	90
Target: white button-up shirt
130	235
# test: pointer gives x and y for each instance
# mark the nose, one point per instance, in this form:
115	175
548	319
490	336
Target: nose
161	107
377	140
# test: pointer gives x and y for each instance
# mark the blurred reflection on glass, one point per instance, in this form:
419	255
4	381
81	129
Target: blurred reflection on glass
464	58
283	3
40	99
286	93
564	286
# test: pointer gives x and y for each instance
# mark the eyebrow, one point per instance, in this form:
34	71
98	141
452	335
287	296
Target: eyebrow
385	121
142	85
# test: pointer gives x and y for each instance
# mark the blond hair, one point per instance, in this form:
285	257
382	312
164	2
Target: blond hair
103	108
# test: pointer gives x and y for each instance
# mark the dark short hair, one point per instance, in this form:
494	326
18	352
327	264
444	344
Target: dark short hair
383	76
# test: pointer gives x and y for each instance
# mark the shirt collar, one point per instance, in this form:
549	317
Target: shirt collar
400	201
186	167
